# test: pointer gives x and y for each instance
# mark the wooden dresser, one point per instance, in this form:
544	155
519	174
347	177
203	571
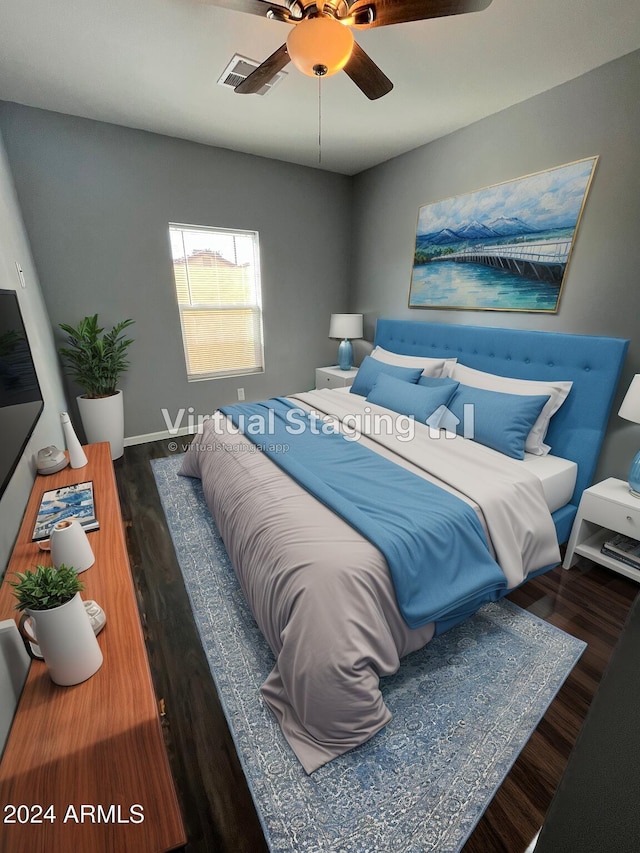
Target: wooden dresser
85	767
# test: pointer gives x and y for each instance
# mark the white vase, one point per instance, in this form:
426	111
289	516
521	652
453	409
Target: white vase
70	545
103	420
77	456
66	640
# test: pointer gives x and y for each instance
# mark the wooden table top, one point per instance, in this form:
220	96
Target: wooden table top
94	752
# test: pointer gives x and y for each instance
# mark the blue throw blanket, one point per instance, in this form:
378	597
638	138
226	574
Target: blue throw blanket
433	542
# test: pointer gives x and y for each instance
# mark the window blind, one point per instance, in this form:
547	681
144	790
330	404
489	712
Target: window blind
217	280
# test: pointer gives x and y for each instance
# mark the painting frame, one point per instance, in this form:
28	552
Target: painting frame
504	247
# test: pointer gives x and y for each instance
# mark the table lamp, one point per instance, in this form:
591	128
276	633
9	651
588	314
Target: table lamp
347	327
630	410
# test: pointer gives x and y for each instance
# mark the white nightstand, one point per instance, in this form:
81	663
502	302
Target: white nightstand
334	377
604	508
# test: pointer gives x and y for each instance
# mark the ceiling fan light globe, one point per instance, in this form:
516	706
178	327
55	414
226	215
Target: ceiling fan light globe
321	41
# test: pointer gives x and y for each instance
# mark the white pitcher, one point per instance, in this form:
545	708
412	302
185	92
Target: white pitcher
66	639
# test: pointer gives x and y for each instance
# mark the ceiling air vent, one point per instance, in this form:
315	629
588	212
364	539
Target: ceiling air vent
239	69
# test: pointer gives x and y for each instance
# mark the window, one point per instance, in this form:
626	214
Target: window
217	278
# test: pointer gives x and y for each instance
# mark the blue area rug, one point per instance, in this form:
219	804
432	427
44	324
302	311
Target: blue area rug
463	708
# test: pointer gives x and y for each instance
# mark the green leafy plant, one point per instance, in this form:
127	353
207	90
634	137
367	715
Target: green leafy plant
46	587
96	359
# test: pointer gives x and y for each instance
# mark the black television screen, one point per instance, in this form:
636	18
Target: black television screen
20	397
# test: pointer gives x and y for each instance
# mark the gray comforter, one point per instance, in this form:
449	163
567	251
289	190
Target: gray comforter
322	595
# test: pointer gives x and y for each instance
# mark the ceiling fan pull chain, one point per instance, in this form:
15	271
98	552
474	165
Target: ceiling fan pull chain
319	120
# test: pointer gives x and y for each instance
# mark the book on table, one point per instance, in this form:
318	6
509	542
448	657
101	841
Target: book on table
65	503
623	548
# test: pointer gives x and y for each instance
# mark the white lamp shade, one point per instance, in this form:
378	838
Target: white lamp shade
630	408
345	326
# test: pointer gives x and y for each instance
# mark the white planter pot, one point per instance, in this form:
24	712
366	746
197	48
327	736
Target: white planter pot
66	640
103	420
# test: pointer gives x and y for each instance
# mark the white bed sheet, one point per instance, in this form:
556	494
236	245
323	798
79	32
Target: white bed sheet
557	475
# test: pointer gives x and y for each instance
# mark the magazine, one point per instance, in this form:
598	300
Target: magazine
620	559
623	546
56	505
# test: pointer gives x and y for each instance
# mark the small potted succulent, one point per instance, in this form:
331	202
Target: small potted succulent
96	360
46	587
54	619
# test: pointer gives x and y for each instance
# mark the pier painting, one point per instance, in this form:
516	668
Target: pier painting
501	248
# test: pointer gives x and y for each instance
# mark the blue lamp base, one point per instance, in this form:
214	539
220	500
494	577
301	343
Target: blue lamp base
345	356
634	476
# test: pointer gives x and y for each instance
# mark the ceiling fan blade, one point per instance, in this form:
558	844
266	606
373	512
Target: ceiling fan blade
252	7
366	74
264	73
381	13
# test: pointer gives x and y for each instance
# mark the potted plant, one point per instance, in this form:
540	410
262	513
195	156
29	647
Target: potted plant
54	619
96	359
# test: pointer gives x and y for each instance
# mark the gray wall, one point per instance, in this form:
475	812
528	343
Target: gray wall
598	113
97	200
14	247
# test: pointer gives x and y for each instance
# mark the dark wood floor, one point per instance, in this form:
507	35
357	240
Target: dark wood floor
588	602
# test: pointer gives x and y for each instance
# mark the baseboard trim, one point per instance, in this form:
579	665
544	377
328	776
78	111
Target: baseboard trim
157	436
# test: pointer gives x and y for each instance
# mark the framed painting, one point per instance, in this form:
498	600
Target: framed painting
502	248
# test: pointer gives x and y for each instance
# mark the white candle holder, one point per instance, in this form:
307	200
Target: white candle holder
70	545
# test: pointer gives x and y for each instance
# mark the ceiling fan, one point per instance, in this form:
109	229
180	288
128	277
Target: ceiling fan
321	42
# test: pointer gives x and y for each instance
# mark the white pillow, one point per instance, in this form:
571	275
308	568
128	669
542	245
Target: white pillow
436	367
557	391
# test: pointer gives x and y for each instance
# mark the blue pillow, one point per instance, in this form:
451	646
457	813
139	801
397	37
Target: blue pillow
409	399
435	382
501	421
371	367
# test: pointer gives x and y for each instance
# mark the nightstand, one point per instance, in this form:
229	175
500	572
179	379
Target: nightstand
604	508
334	377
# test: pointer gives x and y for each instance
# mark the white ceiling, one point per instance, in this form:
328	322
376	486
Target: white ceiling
153	64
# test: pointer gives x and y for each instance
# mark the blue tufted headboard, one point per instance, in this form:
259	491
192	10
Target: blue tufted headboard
592	363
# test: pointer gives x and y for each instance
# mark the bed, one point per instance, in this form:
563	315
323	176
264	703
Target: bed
352	554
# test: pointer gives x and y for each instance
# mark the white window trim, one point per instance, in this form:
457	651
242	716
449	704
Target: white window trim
256	306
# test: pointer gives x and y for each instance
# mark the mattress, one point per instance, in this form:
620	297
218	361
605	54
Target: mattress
557	475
